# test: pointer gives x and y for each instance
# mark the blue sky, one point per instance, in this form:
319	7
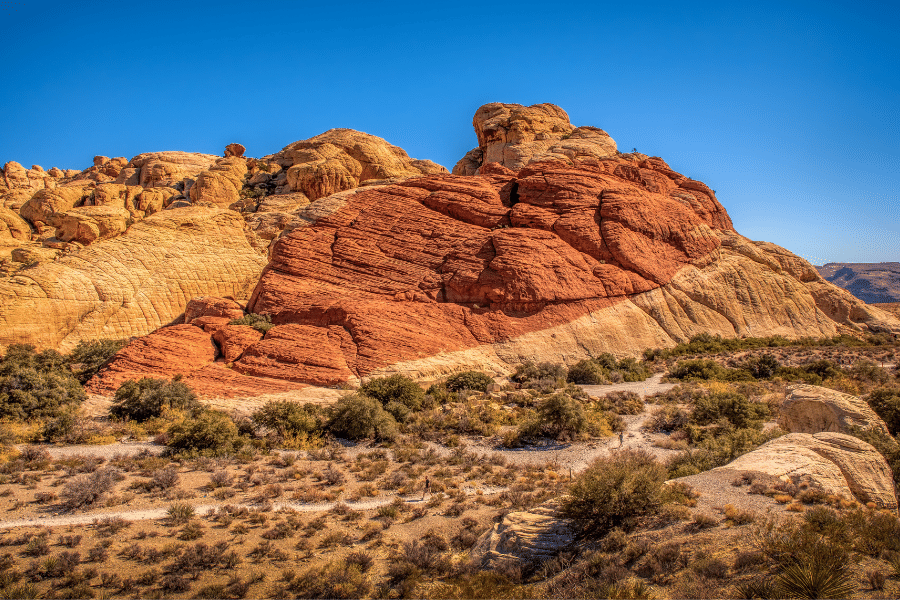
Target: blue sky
789	110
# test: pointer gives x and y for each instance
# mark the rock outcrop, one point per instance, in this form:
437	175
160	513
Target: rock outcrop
342	159
545	244
835	462
528	538
132	284
813	409
515	136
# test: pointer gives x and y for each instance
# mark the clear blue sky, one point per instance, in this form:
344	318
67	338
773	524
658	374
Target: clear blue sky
789	110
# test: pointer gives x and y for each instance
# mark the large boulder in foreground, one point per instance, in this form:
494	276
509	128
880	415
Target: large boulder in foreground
529	538
813	409
132	284
835	462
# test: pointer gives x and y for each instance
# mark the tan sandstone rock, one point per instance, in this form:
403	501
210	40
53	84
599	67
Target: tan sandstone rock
813	409
166	169
514	136
835	462
89	224
221	184
132	284
45	205
341	159
234	150
15	199
527	537
13	227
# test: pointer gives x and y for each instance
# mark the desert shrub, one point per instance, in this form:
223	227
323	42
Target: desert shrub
36	385
395	388
560	416
822	368
289	419
736	408
874	532
667	419
262	323
718	449
868	372
705	369
88	489
587	372
764	366
147	398
469	380
337	579
89	356
615	491
886	404
357	417
209	432
164	479
528	372
624	403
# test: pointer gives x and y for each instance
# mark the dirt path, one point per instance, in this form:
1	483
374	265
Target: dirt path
200	509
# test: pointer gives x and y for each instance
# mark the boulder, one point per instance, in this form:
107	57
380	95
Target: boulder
341	159
46	204
529	538
104	170
234	150
116	195
813	409
132	284
155	199
235	339
514	136
89	224
221	184
210	306
33	254
14	176
835	462
15	199
13	227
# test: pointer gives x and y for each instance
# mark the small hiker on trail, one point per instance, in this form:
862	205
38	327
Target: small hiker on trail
621	438
427	485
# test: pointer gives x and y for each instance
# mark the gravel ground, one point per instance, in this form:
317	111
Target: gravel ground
106	451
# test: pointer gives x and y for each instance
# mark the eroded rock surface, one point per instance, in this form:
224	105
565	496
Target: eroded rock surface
835	462
514	136
529	538
813	409
132	284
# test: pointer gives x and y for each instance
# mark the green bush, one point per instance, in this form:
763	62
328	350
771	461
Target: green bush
36	385
560	416
615	491
823	368
262	323
148	398
209	432
469	380
289	419
886	404
396	388
697	369
716	448
764	366
588	372
358	417
529	372
89	357
734	407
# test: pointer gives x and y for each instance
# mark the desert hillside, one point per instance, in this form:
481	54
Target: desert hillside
870	282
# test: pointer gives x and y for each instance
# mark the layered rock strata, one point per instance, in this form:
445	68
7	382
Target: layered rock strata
132	284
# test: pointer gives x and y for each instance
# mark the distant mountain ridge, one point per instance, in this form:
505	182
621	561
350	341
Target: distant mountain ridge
870	282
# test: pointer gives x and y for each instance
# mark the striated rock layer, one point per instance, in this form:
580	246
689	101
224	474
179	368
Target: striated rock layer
130	285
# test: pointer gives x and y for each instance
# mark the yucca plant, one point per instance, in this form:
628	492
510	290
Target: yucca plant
180	512
757	589
814	579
